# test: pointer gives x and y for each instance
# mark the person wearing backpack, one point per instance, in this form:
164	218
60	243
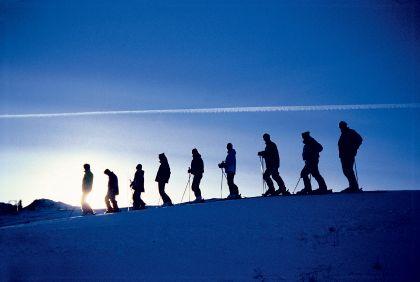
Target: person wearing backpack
110	201
196	169
162	178
348	144
310	155
138	186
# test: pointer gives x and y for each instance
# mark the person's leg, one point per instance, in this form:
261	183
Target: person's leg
141	202
233	189
315	173
165	197
347	165
279	180
305	177
136	201
114	203
83	202
267	179
108	205
195	186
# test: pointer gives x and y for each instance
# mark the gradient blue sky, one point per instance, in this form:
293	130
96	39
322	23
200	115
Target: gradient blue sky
72	56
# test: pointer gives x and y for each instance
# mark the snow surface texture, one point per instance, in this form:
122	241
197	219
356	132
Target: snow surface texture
360	237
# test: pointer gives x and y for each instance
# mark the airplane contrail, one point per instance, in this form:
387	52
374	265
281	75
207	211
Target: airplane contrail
221	110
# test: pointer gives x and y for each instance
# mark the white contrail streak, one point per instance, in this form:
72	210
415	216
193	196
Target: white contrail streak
222	110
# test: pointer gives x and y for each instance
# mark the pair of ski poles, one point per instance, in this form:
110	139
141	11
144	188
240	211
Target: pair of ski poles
186	186
262	166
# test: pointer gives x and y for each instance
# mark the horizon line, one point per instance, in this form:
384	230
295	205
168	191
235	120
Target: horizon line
261	109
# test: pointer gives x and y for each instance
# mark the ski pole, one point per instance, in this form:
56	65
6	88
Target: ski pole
262	173
297	184
186	186
355	170
221	185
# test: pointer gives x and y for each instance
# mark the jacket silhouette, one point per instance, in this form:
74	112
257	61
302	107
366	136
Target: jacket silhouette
230	161
162	177
230	170
271	155
310	155
348	144
196	169
272	162
138	186
113	190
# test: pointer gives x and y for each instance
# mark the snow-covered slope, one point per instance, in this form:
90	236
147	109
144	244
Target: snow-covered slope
368	236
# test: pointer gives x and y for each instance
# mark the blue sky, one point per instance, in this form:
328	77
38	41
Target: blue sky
73	56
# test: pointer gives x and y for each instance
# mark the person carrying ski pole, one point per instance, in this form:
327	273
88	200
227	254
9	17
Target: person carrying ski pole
87	183
113	191
272	163
310	155
197	170
230	169
162	177
348	144
138	186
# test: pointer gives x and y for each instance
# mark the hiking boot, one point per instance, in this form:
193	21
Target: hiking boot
304	191
198	200
269	193
282	192
321	191
351	190
234	196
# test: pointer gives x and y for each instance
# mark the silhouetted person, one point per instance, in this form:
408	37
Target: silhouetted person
111	203
196	169
86	189
230	169
348	144
310	155
138	186
162	177
19	206
272	162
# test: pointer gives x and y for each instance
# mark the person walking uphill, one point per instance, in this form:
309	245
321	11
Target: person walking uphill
272	162
138	186
310	155
86	189
348	144
111	203
196	169
230	169
162	177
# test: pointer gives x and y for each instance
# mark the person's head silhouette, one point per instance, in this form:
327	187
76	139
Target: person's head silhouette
194	152
107	172
162	158
306	135
343	126
266	137
86	167
139	167
229	146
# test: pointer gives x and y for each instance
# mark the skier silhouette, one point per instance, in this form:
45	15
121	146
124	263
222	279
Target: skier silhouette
310	155
112	192
348	144
230	169
196	169
162	177
87	183
272	162
138	186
